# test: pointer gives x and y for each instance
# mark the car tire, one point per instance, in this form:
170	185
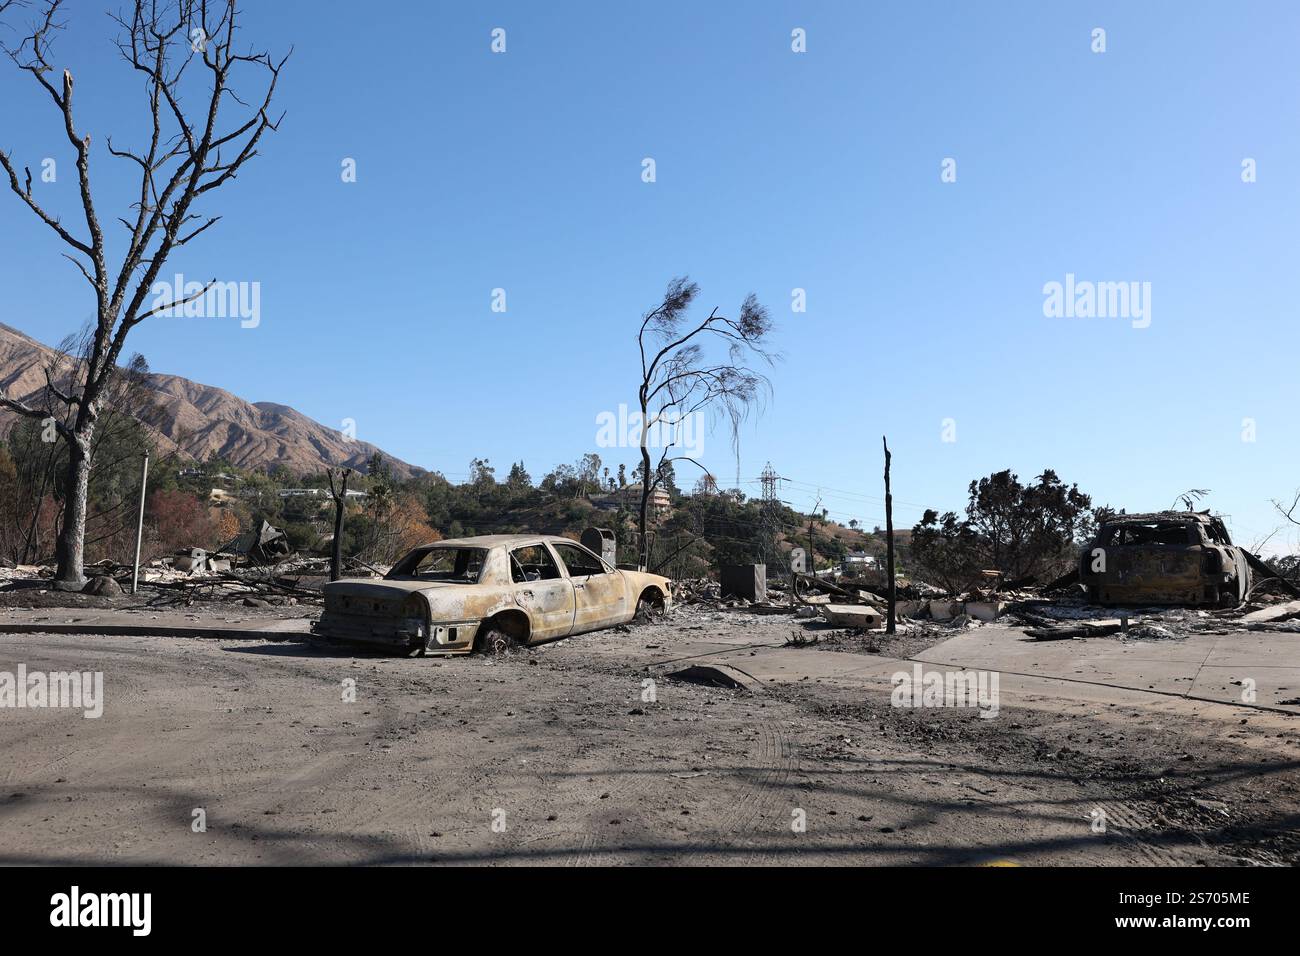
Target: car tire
646	611
494	642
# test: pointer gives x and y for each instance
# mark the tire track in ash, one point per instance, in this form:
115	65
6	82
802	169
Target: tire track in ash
623	802
1133	828
221	692
627	794
118	766
415	800
119	684
403	815
343	768
748	816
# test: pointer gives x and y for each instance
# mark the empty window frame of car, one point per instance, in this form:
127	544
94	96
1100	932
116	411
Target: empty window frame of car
532	563
454	565
1164	533
579	562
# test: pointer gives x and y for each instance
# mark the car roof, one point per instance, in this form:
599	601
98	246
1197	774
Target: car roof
1199	517
498	541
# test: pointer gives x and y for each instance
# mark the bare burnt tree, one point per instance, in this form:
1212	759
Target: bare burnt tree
680	381
339	492
1288	511
188	155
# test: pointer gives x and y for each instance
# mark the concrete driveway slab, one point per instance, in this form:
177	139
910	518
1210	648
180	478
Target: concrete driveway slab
1201	665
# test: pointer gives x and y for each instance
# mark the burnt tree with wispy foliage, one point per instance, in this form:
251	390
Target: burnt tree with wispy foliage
166	42
679	380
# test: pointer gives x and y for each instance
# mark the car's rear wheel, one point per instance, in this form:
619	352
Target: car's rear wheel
493	641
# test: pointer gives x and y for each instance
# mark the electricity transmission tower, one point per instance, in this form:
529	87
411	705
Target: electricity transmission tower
769	515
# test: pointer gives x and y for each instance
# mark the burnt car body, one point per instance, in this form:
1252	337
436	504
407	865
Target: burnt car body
486	593
1167	557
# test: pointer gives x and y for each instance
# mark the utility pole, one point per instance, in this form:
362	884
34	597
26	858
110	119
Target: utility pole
812	555
139	526
889	541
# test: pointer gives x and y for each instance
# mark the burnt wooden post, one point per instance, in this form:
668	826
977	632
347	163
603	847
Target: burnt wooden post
340	496
812	554
889	541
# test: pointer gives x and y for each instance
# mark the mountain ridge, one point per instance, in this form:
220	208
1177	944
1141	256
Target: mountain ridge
198	420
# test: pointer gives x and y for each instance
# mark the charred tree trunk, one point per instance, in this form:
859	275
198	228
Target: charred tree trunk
889	543
644	511
340	496
70	547
336	547
642	515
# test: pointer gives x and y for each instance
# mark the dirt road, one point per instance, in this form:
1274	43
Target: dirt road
296	755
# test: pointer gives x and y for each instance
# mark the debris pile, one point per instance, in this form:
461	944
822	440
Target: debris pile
1057	610
258	565
704	593
263	544
1072	616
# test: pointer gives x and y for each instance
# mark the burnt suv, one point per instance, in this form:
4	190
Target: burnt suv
1168	557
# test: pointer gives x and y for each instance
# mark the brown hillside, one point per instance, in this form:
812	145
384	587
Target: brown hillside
204	420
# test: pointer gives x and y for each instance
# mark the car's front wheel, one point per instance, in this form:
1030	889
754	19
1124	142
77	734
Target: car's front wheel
649	607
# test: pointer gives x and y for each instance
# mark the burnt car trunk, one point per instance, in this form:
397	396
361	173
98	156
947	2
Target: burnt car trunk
374	613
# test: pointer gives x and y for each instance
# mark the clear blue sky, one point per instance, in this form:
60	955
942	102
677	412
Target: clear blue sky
775	170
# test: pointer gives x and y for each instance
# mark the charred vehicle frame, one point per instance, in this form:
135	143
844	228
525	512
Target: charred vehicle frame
487	593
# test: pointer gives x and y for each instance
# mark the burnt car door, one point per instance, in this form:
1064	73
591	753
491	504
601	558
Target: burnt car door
599	591
543	591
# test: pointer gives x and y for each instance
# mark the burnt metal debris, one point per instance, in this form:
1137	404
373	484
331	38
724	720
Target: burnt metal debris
263	544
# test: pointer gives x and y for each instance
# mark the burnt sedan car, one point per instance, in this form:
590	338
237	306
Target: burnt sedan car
1169	557
487	594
